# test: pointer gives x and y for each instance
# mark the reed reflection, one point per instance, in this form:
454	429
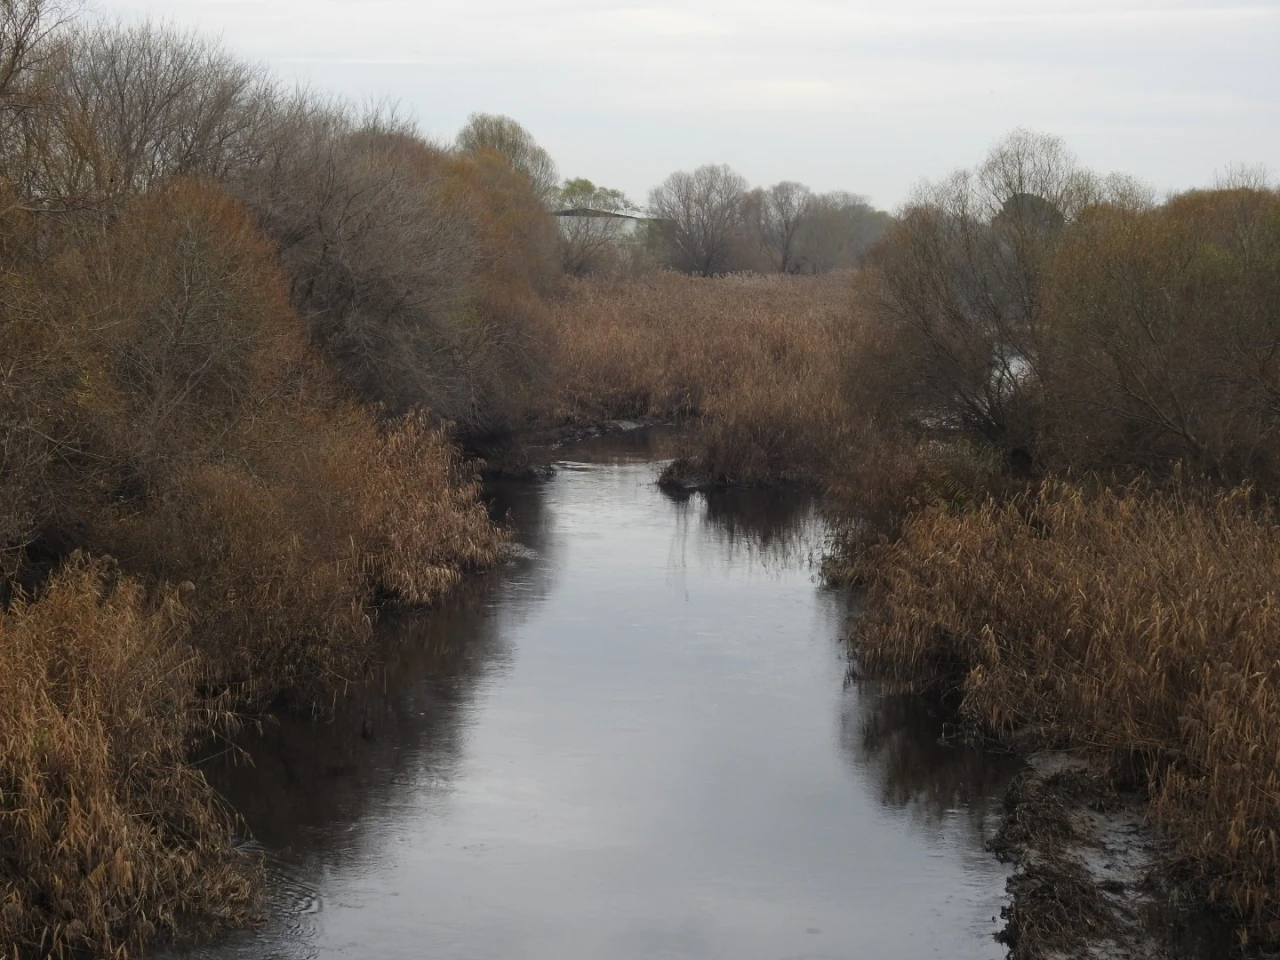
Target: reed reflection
919	760
302	785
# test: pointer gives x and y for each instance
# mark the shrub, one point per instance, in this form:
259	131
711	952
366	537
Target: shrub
1160	339
228	456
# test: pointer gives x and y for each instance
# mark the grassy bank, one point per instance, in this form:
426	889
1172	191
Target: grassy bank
1138	624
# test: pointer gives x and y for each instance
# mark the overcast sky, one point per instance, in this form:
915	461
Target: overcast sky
863	95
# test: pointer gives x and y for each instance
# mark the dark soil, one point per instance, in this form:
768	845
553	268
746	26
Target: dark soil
1091	877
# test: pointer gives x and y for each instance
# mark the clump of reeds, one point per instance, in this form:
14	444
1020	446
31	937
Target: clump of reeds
423	522
1136	622
758	361
107	834
880	479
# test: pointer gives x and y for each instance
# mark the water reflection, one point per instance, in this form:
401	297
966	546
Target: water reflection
919	760
631	741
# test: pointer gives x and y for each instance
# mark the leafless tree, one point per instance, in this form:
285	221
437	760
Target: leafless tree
30	37
504	136
699	213
782	211
837	231
380	258
960	277
141	103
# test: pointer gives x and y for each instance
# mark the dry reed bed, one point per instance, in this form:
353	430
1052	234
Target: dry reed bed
758	360
107	833
1134	623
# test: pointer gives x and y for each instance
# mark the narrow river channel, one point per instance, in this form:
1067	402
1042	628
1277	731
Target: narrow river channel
636	740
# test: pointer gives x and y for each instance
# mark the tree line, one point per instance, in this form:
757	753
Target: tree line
1073	320
706	222
711	222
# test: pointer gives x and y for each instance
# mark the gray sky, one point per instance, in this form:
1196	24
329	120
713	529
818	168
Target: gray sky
864	95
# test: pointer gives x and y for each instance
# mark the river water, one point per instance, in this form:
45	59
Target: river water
635	740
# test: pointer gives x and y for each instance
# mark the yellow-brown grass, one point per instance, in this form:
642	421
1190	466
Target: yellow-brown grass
106	833
882	478
1133	622
758	360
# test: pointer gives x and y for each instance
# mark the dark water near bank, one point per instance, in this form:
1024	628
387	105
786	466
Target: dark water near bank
634	741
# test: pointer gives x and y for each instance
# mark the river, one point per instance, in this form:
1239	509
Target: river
638	739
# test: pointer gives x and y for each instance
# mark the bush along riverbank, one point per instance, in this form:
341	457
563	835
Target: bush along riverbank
217	460
1068	529
201	522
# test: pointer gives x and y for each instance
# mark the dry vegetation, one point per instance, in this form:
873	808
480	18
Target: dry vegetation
108	834
1034	321
758	361
225	314
1023	321
242	328
1138	623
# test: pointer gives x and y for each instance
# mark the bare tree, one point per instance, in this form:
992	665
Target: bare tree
380	256
506	137
141	103
960	278
30	37
699	214
26	30
782	210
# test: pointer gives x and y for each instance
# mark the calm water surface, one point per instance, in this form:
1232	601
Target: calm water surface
634	741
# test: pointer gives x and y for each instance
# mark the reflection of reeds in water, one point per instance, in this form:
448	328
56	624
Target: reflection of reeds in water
919	760
312	784
773	528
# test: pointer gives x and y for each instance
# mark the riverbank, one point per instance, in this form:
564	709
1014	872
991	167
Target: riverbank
199	521
1133	626
1093	877
754	365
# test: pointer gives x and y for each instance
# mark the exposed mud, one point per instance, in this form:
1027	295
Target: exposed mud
1090	874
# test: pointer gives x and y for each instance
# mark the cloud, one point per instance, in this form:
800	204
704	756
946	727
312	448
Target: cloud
860	94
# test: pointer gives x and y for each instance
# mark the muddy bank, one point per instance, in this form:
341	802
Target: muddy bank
1092	879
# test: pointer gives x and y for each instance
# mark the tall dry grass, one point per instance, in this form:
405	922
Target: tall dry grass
1132	622
757	361
107	834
